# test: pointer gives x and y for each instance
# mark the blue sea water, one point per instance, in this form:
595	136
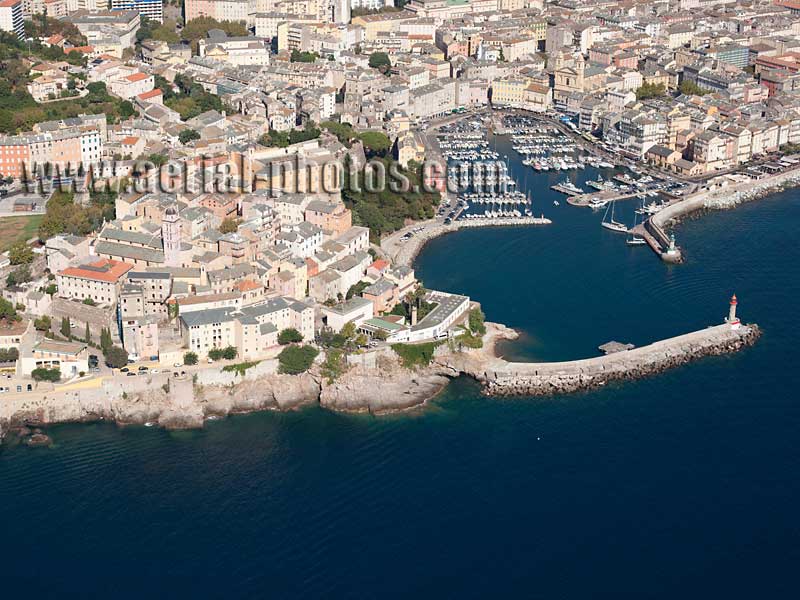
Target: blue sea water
681	485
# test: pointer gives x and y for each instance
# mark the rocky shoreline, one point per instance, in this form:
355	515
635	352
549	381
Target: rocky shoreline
377	387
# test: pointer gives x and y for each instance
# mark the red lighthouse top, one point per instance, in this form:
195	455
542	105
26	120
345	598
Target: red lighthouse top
733	299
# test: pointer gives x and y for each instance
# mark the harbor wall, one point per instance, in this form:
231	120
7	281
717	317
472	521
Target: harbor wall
727	196
409	251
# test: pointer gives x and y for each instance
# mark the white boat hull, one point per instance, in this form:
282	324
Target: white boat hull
618	227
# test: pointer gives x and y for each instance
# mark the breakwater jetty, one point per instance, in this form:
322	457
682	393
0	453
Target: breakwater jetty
725	195
502	378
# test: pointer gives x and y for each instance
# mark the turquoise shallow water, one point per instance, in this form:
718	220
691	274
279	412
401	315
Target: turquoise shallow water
685	484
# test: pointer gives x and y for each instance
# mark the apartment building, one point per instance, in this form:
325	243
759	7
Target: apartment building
99	281
152	9
65	149
253	330
11	17
236	50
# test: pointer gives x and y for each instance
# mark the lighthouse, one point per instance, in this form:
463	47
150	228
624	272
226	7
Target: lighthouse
732	319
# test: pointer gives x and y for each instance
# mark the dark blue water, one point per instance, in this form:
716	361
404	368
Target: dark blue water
682	485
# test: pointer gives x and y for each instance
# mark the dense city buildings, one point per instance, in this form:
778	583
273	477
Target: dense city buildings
242	137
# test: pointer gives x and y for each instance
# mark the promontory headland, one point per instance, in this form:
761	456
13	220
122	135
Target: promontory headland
375	382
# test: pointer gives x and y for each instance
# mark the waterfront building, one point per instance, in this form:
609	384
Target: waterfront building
71	358
252	330
356	310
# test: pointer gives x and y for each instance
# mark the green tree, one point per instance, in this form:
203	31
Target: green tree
126	109
296	359
87	335
356	289
51	289
343	131
159	160
42	374
197	29
376	142
9	354
7	310
690	88
306	57
66	329
215	353
190	358
415	355
334	365
188	135
477	321
229	225
310	131
116	357
289	336
388	209
229	353
380	61
21	274
105	339
43	323
20	254
650	90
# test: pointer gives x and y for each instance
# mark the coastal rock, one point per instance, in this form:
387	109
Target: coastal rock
283	392
38	439
388	388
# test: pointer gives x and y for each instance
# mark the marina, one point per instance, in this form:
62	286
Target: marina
485	191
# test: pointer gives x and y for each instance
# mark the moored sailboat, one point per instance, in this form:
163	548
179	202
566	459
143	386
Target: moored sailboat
612	224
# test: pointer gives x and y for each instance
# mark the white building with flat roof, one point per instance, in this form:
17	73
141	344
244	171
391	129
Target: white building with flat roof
152	9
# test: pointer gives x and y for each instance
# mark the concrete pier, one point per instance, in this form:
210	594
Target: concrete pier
607	195
404	253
